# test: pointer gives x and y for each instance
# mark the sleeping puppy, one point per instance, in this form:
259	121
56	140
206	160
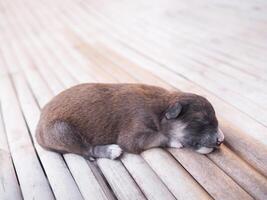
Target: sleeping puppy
103	120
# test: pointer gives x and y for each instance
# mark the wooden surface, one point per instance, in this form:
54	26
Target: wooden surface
217	49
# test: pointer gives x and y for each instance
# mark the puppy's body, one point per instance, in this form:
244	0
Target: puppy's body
87	119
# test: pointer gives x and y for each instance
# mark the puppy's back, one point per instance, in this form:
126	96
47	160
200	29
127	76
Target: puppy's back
103	109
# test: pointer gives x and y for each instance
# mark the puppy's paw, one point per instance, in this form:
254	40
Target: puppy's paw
175	144
91	159
114	151
204	150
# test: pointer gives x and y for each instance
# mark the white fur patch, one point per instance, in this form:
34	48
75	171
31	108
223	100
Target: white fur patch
175	144
177	131
204	150
114	151
91	158
176	135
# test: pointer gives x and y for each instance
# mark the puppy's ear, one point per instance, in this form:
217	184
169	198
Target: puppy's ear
173	111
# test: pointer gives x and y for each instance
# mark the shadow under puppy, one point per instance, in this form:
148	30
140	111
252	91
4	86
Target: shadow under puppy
103	120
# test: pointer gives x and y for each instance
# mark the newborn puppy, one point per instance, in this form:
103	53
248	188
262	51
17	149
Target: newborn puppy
103	120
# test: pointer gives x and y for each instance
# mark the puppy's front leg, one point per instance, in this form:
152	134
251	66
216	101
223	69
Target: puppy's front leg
111	151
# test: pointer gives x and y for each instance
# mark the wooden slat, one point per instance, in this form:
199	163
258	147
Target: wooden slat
188	31
212	178
210	62
120	180
83	64
246	176
177	179
9	187
89	185
31	177
149	182
204	47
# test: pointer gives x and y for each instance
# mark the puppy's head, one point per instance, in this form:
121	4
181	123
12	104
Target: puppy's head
194	124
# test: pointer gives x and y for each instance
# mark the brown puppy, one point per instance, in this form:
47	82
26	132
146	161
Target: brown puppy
102	120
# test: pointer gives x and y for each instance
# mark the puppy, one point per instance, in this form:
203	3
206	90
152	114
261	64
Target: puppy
103	120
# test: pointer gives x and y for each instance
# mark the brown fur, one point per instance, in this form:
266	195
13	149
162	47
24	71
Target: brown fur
87	115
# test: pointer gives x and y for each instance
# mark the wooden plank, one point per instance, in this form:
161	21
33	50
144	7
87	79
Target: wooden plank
35	62
31	177
147	179
188	34
9	187
208	59
84	65
101	62
120	180
175	177
57	66
219	66
230	46
137	73
169	28
89	185
54	61
245	175
3	71
206	173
